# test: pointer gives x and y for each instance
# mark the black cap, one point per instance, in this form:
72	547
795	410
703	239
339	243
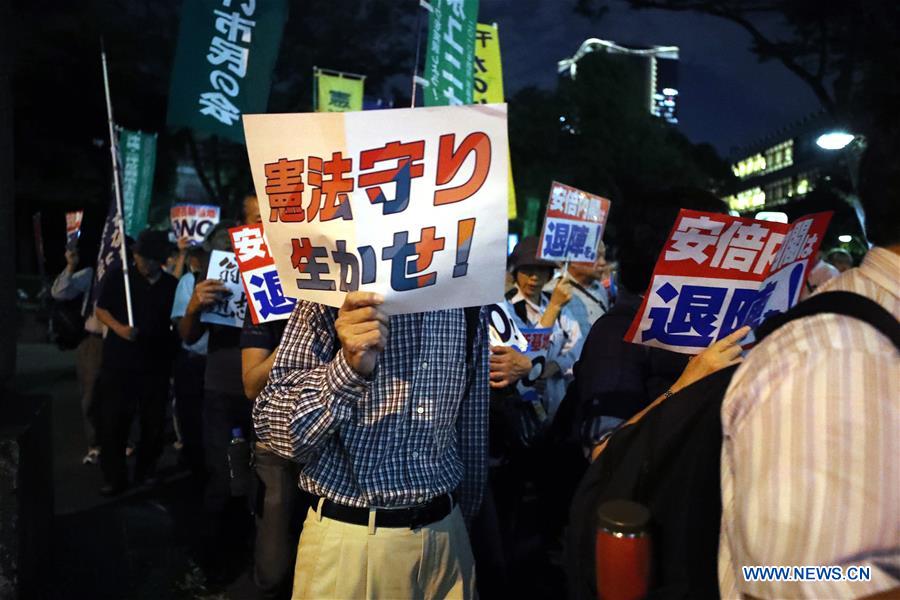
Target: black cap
623	516
153	245
525	255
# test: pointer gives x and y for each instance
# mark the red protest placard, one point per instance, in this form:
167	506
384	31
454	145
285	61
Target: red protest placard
265	294
73	226
717	273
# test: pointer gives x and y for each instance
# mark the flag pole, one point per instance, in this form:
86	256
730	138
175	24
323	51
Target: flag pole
113	149
426	6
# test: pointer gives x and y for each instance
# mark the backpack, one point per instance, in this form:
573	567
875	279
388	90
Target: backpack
669	461
67	323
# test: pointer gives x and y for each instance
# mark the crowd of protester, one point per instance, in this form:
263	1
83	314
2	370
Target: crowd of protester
391	442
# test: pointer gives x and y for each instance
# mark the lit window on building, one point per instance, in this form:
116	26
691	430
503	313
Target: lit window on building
780	156
749	166
746	200
803	186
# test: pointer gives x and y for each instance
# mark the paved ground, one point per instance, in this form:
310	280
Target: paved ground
137	546
133	546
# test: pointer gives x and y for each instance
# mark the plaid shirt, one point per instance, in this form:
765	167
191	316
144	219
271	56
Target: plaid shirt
404	435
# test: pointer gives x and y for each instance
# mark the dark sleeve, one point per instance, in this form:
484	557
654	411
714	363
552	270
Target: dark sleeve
112	291
264	335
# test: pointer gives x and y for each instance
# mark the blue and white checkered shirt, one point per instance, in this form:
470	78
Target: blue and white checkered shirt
406	434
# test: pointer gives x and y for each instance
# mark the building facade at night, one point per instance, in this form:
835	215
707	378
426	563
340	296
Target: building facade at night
781	168
657	65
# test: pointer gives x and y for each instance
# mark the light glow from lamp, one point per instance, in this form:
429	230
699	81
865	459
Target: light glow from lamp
834	140
844	239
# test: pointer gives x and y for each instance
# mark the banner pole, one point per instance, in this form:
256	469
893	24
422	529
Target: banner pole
315	89
113	149
412	102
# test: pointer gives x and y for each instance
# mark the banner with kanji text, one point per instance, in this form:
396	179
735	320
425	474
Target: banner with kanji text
488	84
573	225
409	203
717	273
338	92
450	56
231	305
138	160
223	64
265	296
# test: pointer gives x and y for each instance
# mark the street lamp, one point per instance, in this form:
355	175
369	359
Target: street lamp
853	147
834	140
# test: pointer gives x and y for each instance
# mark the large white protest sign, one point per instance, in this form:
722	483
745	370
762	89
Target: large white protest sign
409	203
230	308
193	221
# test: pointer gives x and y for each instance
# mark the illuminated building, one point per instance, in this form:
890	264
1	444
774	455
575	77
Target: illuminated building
780	168
658	66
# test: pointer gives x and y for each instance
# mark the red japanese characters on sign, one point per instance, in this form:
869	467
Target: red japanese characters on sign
266	299
409	203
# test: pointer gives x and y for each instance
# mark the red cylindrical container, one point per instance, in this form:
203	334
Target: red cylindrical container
622	550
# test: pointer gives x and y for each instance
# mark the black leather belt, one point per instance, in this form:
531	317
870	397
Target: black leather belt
411	517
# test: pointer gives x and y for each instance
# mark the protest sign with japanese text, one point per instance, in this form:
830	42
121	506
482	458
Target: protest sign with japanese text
73	227
193	221
265	296
717	273
409	203
504	329
223	63
573	225
230	308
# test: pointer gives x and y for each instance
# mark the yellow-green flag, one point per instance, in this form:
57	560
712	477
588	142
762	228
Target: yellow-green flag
338	92
488	87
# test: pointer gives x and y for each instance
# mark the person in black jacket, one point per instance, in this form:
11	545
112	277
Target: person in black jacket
137	361
615	379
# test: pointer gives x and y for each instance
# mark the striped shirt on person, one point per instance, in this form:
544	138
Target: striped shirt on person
811	450
415	429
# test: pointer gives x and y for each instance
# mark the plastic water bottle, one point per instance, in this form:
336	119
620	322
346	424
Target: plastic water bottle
239	463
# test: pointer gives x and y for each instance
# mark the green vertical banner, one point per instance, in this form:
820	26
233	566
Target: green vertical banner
532	214
223	64
450	59
138	159
338	92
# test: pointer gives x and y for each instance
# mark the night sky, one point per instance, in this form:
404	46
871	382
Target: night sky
726	96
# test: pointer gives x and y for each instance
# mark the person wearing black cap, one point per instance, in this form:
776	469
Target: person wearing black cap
137	361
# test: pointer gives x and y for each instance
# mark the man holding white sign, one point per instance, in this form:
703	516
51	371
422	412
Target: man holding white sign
387	397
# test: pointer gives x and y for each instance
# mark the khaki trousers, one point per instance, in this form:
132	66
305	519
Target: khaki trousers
340	560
